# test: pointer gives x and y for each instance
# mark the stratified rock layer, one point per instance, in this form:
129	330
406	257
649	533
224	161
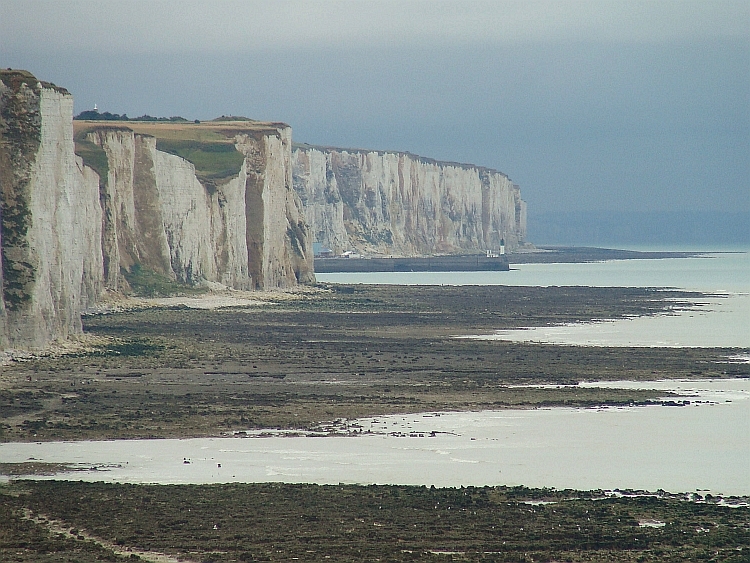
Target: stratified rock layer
400	204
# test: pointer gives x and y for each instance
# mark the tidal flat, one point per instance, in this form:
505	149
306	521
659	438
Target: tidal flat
336	352
300	361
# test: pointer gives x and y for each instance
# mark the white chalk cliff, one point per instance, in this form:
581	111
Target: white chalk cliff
51	218
68	232
74	226
243	231
391	203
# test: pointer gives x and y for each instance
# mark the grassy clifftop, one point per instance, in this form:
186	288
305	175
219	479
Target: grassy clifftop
208	146
213	160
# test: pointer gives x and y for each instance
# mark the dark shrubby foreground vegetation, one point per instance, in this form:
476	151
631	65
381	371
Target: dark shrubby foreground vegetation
24	541
278	522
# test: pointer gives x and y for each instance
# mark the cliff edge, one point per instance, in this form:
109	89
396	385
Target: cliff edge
50	216
208	202
396	203
85	206
81	210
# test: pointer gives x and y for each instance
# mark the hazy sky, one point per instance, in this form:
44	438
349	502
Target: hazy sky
592	105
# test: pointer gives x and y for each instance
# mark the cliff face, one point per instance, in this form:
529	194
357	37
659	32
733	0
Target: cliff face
68	230
279	244
400	204
244	231
223	202
51	218
159	216
203	231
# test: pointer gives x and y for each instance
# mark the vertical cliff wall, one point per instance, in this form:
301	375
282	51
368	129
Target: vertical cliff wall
204	230
400	204
50	215
279	245
77	214
228	202
159	216
245	231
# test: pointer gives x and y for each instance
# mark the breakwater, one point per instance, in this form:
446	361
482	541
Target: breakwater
465	263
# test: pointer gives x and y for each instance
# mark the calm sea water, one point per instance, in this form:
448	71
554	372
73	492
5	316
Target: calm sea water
713	272
721	321
703	446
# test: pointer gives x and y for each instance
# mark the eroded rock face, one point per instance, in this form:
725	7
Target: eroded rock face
204	230
68	231
279	246
160	217
51	218
401	204
245	232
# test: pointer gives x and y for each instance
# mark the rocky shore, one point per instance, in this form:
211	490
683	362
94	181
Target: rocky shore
87	522
296	360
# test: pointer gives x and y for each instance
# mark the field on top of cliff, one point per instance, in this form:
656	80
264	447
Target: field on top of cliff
334	352
209	146
208	131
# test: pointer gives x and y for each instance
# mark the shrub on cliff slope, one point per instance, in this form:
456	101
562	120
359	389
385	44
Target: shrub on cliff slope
147	283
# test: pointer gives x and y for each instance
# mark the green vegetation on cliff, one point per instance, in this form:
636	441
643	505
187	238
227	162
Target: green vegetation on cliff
210	148
93	156
212	160
146	283
20	137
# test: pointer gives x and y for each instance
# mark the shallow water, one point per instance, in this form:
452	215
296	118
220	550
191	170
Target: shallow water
723	322
719	272
714	322
705	445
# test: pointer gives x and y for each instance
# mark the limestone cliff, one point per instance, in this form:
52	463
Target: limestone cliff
50	215
279	244
79	212
243	230
227	202
400	204
159	216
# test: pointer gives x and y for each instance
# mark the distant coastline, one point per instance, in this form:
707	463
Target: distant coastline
480	262
579	254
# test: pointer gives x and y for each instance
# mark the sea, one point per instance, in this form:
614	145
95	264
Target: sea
721	318
701	447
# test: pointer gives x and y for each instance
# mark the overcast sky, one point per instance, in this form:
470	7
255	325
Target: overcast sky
587	105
